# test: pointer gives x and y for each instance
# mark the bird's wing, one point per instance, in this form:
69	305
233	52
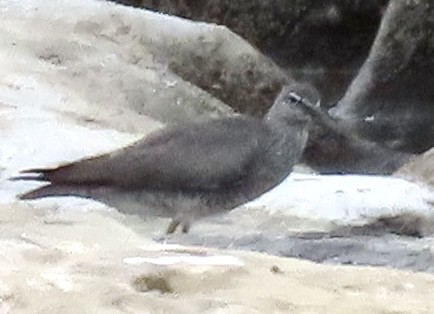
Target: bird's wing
205	156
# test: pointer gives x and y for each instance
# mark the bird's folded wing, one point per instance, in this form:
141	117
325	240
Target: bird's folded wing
205	156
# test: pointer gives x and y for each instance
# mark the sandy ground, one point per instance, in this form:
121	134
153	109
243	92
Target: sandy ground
57	262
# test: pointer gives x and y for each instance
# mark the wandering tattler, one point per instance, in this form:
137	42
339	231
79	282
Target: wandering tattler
189	171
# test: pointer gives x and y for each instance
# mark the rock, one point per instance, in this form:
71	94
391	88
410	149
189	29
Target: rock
420	168
406	224
218	61
335	147
106	65
321	43
391	99
141	52
384	108
403	241
328	152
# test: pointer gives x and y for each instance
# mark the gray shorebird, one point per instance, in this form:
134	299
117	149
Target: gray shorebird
188	171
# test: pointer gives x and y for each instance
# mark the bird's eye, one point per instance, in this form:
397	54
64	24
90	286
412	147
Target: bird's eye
294	97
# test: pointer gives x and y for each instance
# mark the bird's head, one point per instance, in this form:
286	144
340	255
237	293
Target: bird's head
287	109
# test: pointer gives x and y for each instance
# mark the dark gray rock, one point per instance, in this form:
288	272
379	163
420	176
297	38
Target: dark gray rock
374	247
188	171
334	146
401	240
391	101
329	152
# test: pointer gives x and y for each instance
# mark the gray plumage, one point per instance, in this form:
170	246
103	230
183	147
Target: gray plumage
188	171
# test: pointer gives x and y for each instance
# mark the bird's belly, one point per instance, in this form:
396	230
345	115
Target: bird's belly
257	185
154	203
193	205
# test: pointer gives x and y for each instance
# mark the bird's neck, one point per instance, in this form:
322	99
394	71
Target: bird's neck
286	127
290	138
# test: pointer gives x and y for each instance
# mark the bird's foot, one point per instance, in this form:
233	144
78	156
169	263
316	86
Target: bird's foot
167	237
185	227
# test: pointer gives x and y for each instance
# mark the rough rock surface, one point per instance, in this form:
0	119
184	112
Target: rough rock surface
152	52
420	168
321	42
391	99
388	104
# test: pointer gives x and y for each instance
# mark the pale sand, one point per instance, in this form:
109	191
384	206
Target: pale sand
78	261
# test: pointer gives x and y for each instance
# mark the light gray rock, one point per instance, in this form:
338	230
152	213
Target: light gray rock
420	168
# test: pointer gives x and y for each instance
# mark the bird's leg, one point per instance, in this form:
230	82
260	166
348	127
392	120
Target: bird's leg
173	225
185	227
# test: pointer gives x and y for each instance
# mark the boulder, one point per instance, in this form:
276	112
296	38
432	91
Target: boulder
391	101
419	168
321	43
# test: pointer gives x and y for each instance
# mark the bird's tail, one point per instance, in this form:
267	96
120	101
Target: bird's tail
45	191
31	175
44	174
53	190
